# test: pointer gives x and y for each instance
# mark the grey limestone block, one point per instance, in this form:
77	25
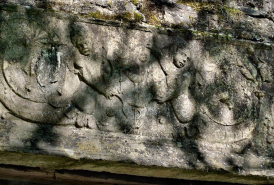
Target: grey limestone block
83	88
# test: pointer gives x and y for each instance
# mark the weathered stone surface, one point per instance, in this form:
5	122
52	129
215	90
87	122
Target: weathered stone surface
179	14
197	96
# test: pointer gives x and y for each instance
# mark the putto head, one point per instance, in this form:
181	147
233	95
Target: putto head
80	38
181	58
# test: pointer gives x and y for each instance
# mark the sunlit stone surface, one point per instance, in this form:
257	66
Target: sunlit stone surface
187	97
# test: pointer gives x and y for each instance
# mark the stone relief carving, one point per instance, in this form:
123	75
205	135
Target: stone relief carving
121	83
231	111
254	68
34	74
31	71
95	71
129	81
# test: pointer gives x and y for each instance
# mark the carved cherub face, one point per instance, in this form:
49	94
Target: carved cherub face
180	59
82	45
80	39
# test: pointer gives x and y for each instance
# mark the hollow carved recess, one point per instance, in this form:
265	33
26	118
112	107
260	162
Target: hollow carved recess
134	82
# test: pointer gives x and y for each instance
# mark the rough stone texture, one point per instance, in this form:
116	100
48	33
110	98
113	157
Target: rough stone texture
192	92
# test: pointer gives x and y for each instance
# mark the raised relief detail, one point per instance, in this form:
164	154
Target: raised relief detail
254	68
31	71
227	107
131	82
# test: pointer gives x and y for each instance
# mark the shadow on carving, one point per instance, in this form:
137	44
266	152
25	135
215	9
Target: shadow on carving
149	84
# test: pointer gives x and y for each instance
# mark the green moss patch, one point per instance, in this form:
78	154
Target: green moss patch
135	2
9	7
125	16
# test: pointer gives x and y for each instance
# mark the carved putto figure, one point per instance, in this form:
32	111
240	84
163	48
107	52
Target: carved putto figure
141	79
96	73
174	84
80	83
93	67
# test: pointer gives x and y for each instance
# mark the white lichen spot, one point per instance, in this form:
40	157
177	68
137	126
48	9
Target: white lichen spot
69	152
